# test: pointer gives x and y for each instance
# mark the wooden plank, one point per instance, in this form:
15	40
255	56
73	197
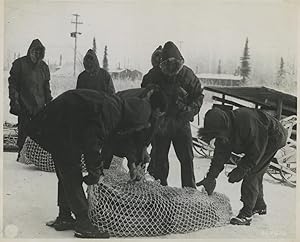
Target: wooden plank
225	101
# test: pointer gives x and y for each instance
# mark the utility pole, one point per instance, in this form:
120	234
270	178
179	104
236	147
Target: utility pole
74	35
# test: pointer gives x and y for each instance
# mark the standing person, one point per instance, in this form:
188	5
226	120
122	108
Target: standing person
29	89
94	77
184	97
79	122
251	132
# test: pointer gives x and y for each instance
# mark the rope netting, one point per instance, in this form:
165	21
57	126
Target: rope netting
10	137
146	208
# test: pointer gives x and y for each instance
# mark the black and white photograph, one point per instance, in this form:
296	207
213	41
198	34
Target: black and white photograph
149	119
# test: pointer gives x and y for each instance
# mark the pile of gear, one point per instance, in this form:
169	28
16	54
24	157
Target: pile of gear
10	137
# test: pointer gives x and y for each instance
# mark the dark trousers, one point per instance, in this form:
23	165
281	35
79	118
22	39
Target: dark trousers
71	196
252	194
23	121
181	137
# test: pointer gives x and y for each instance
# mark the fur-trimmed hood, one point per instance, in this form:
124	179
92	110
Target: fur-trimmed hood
171	59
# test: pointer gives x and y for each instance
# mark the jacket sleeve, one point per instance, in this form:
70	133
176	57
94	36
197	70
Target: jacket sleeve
91	150
192	85
256	138
110	84
221	155
48	96
13	83
106	154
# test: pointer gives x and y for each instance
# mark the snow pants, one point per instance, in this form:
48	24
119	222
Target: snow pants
181	137
252	194
71	196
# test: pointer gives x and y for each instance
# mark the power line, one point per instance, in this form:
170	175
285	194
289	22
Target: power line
74	35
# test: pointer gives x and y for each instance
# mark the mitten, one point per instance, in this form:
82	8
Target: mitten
209	184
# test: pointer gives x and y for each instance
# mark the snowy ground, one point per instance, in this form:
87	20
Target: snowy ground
29	196
29	200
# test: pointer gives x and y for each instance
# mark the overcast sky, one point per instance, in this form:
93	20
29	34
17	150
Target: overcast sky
132	29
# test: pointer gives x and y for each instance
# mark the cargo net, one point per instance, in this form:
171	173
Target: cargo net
10	137
146	208
33	154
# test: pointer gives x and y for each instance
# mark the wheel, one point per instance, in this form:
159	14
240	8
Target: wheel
274	171
289	174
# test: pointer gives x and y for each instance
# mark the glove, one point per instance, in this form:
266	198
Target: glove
209	184
237	174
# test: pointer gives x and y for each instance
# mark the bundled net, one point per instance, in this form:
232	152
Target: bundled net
10	137
33	154
146	208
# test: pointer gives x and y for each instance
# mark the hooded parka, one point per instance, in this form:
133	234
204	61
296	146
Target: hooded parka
94	77
79	122
29	89
248	131
184	97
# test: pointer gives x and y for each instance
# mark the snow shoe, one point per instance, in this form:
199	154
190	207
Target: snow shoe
62	223
241	220
85	229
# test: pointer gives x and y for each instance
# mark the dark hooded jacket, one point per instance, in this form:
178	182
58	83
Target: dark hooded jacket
94	77
131	142
182	87
29	88
81	121
250	132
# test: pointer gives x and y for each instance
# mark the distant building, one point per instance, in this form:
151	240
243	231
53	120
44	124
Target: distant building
125	74
208	79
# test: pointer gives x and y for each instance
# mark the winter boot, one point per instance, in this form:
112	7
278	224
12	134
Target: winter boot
85	229
241	219
62	223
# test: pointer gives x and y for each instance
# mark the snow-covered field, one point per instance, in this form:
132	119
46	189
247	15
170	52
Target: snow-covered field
29	195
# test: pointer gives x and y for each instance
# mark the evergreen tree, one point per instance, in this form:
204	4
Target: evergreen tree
219	68
60	60
105	61
245	65
281	74
94	45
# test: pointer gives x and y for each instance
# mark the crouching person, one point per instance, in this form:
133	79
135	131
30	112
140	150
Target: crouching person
132	143
255	134
78	122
